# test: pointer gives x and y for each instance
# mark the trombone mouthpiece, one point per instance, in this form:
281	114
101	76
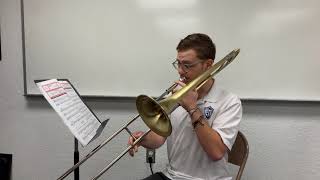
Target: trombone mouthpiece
182	79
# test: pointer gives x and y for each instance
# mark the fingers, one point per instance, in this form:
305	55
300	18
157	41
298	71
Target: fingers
129	144
131	140
131	153
134	149
138	134
180	83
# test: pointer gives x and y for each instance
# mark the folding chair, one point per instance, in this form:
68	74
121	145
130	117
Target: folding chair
239	153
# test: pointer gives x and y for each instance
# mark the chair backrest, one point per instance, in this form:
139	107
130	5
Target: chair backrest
239	153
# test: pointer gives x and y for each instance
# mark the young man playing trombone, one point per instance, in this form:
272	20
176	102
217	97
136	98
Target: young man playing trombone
204	126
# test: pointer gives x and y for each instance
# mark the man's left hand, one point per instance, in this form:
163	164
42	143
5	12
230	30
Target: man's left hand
189	100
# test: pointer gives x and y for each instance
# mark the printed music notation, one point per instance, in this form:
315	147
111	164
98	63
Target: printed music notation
75	114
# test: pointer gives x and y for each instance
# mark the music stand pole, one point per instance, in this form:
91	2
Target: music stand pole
76	159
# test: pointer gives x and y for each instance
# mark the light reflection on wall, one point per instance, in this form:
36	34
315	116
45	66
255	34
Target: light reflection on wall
164	4
276	20
172	17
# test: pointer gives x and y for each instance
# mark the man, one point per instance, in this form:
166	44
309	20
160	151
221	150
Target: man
206	124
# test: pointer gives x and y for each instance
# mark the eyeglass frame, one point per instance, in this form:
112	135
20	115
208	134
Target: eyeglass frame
184	66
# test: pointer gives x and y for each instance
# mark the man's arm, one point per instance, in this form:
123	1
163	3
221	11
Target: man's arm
151	141
209	139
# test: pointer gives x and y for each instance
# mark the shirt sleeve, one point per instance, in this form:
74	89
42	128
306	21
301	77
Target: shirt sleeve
227	121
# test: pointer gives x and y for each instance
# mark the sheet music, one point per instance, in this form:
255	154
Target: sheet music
75	114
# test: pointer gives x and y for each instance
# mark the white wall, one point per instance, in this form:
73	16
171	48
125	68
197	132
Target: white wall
283	136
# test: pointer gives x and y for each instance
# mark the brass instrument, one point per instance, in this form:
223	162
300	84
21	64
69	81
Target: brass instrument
154	113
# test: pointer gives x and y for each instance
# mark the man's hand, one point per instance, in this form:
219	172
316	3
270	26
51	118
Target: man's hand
134	149
189	100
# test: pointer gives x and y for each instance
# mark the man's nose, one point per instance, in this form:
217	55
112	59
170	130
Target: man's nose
181	71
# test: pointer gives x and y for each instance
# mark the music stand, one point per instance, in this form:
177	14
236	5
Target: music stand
76	142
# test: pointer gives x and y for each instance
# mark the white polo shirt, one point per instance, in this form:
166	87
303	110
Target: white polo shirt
187	159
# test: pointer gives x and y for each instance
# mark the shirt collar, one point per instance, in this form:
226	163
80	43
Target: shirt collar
212	96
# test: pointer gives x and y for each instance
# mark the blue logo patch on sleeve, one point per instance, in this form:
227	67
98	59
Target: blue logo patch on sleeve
208	111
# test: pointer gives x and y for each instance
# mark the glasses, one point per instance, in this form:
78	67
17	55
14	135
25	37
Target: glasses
185	66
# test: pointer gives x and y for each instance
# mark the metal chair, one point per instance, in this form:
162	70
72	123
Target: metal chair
239	153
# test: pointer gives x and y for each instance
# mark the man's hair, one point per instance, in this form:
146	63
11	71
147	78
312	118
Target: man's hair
201	43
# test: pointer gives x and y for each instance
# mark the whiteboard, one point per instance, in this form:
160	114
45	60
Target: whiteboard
125	48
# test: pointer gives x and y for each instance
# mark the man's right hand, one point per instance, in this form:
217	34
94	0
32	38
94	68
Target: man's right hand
134	149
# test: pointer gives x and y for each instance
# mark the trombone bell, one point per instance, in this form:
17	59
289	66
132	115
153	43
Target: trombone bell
154	115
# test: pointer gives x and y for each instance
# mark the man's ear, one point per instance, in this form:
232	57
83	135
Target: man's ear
209	63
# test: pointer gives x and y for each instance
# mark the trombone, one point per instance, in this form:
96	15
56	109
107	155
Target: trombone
154	112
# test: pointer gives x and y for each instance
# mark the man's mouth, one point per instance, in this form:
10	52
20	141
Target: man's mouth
183	79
